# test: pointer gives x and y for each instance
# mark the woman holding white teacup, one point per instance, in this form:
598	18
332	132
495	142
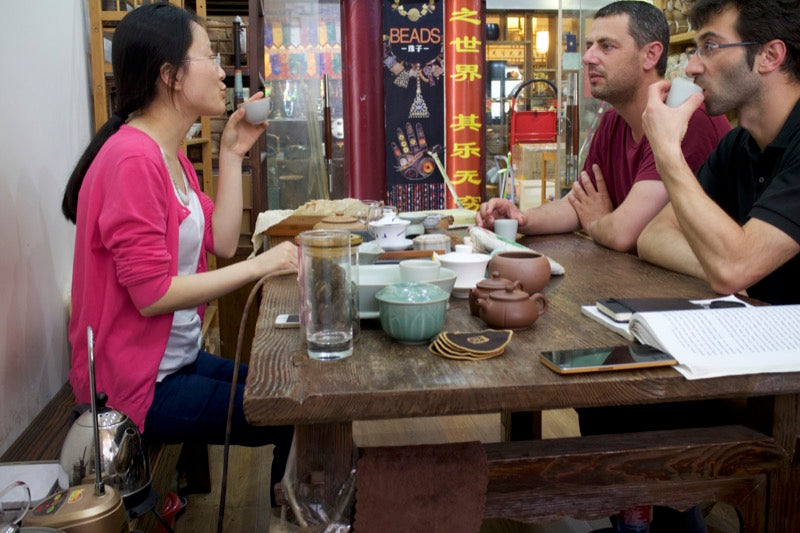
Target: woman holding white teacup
143	230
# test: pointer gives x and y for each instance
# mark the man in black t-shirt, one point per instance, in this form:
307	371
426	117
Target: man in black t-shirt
738	223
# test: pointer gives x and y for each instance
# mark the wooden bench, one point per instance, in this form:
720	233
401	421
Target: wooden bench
44	436
592	476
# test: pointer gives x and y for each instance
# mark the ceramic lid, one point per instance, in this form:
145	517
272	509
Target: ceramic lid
390	219
411	293
495	283
460	257
511	293
339	221
413	216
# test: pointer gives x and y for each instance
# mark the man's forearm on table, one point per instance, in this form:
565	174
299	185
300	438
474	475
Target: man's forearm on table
662	243
553	217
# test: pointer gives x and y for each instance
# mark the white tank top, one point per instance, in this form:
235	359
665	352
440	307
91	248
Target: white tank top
185	336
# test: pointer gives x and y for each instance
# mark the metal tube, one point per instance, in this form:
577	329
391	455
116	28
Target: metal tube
99	488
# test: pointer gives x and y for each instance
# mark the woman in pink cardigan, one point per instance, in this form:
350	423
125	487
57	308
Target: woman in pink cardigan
143	230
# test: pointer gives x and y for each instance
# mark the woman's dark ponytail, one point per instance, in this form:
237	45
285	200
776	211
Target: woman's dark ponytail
69	205
147	38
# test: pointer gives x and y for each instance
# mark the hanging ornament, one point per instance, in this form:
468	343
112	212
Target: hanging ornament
402	79
311	62
413	14
402	73
268	34
277	33
419	109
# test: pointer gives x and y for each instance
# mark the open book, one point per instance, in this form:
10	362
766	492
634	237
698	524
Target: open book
721	342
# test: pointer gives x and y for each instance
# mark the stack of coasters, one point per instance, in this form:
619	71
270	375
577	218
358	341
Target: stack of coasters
472	345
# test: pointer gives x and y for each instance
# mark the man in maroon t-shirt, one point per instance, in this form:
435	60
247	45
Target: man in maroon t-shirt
619	189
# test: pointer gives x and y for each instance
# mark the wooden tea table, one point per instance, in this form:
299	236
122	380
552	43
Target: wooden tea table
757	470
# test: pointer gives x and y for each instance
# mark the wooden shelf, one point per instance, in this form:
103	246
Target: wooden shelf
682	38
196	140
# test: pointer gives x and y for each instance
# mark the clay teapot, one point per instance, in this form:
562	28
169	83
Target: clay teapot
532	270
512	308
483	288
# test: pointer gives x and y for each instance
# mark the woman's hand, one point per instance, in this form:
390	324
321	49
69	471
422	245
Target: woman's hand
280	259
239	135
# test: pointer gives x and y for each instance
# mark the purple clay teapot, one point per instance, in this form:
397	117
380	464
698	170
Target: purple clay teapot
483	288
512	308
532	270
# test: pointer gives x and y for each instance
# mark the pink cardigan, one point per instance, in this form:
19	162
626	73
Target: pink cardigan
125	256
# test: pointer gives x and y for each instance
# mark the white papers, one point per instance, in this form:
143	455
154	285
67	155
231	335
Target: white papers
724	342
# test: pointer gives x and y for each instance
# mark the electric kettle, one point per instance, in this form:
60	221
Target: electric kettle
82	508
124	460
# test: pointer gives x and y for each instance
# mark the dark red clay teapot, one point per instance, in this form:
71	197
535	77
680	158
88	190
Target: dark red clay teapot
483	288
532	270
512	308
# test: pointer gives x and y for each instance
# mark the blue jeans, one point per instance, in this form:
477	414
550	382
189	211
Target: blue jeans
192	405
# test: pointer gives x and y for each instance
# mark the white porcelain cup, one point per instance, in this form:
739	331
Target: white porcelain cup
682	88
506	228
418	270
257	111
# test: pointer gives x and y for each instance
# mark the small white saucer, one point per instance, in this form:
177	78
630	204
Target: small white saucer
404	244
369	314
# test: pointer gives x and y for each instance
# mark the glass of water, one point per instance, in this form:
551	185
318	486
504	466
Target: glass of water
326	293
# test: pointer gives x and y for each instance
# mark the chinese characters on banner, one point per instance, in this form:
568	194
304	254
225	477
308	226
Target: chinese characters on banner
413	77
464	121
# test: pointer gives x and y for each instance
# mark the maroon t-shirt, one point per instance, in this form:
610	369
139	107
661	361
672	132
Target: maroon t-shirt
623	162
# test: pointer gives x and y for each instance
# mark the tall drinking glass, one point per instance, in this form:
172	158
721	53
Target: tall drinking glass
326	293
370	211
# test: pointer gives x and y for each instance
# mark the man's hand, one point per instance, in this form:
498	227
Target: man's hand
665	126
590	203
498	208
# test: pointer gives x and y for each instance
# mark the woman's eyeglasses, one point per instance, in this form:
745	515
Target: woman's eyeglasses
214	58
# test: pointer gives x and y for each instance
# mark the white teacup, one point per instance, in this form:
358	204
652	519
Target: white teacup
418	270
257	111
506	228
681	89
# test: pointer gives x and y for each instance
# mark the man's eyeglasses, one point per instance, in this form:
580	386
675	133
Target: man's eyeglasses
214	58
706	50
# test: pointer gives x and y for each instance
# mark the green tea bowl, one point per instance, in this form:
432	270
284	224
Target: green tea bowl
412	312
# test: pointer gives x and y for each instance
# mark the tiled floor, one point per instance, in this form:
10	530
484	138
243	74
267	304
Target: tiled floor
247	505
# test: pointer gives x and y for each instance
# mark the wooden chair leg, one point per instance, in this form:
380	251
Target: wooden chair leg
521	425
193	469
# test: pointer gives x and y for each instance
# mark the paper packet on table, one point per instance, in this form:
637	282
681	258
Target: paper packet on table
484	240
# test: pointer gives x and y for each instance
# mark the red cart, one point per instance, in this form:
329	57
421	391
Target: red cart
532	126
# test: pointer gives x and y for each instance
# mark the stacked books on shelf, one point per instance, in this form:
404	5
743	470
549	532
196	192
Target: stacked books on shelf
714	340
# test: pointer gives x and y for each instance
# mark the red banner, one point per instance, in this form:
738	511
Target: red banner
464	66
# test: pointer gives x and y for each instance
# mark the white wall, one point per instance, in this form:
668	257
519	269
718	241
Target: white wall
45	123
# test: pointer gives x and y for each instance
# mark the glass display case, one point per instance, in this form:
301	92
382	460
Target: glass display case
303	58
547	44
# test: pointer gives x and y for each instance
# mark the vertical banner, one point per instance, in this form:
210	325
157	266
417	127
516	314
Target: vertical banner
464	122
413	61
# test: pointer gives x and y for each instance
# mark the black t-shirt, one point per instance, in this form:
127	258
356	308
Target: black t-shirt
747	183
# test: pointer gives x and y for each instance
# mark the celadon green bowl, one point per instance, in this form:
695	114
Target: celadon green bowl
412	313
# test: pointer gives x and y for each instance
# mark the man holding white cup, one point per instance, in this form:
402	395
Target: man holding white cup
737	224
619	189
